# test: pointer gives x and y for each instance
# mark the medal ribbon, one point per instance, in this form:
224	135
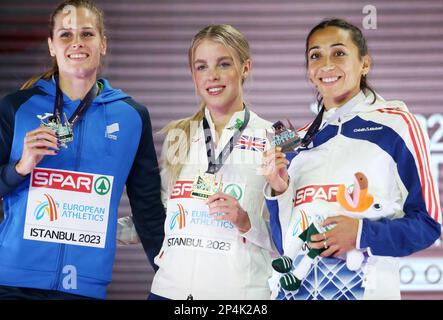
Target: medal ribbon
214	165
316	125
313	129
81	109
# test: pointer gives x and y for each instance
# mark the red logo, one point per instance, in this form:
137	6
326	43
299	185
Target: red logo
311	193
182	189
62	180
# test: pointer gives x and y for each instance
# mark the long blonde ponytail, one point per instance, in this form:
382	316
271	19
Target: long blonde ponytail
173	163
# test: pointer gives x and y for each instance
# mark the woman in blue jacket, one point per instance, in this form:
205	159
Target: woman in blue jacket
69	143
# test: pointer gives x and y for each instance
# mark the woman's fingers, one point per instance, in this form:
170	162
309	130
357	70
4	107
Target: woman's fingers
38	144
330	250
42	130
220	196
41	138
273	161
44	152
272	157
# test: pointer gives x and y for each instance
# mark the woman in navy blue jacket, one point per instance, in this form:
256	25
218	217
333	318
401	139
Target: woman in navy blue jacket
68	145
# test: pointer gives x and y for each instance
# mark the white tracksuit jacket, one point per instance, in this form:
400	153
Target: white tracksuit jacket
211	259
386	143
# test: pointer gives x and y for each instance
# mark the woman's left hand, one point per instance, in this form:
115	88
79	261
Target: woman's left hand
231	209
339	240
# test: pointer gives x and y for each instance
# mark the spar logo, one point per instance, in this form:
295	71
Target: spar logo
182	189
178	218
102	185
63	180
234	190
301	225
311	193
49	206
70	181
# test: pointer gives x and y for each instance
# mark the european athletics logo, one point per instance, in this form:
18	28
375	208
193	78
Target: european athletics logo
301	224
178	218
49	206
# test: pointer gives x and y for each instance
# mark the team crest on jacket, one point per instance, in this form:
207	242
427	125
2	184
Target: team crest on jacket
112	130
251	143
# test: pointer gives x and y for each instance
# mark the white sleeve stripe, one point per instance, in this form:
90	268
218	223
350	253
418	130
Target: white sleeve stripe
421	155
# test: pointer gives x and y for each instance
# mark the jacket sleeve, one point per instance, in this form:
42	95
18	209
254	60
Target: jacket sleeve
9	178
280	210
259	233
281	207
420	226
143	188
126	232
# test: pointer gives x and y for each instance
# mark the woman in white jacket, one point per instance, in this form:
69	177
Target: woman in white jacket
217	243
356	134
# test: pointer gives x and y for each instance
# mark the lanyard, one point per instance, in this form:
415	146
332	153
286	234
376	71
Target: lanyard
313	129
81	109
316	125
214	165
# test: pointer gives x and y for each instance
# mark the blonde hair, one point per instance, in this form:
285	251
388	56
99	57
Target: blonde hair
88	4
235	41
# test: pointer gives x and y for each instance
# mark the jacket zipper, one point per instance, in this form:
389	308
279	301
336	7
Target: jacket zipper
317	259
340	123
315	293
62	246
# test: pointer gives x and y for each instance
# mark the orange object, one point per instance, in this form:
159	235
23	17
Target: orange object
359	200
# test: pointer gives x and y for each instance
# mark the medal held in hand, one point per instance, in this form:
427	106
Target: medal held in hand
64	132
287	139
205	185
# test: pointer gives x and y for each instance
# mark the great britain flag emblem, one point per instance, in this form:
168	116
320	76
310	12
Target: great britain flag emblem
251	143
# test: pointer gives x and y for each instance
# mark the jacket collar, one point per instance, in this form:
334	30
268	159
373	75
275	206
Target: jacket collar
239	115
361	103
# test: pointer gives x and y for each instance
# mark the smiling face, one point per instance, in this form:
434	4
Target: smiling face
335	66
218	75
77	43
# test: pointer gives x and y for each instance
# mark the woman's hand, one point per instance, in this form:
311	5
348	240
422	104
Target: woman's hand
231	209
36	145
274	169
339	240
